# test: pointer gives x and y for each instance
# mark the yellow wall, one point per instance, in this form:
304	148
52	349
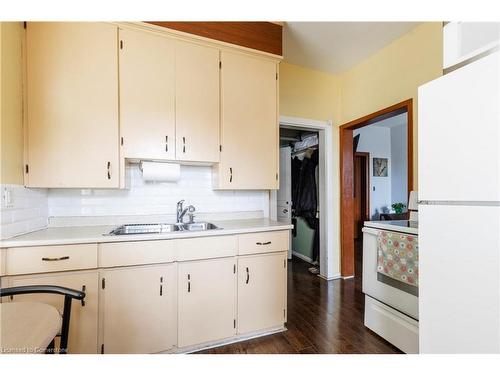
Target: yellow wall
392	75
308	93
389	76
11	117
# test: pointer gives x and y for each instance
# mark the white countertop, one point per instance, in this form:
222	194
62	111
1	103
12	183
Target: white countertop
94	234
403	226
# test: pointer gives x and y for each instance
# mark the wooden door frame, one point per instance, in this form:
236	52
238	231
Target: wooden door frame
366	155
347	176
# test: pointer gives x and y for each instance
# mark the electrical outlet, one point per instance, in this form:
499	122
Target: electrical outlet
7	197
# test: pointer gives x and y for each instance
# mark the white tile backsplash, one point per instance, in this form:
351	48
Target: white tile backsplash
150	198
26	212
33	209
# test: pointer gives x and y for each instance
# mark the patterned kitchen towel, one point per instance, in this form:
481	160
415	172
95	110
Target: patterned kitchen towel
397	256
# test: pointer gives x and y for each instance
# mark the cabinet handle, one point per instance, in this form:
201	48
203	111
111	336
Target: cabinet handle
248	276
263	243
166	143
230	174
189	283
109	170
55	259
184	144
84	288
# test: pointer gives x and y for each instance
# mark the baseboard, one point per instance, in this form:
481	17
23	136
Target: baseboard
303	257
232	340
334	277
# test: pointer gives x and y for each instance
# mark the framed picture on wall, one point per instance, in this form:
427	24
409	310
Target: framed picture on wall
380	167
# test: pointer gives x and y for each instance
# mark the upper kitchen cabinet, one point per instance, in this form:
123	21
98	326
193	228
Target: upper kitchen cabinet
147	95
72	111
197	102
249	123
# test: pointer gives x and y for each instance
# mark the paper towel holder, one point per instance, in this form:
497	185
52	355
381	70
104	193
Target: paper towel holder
152	161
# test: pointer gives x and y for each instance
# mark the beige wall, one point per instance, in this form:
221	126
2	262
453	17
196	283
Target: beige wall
389	76
11	117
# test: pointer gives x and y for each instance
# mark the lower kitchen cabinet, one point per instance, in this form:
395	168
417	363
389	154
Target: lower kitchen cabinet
83	322
138	309
261	291
207	301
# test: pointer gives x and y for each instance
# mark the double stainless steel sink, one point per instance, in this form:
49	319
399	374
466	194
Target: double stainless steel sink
161	228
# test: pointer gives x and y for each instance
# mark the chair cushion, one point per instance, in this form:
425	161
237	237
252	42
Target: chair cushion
27	327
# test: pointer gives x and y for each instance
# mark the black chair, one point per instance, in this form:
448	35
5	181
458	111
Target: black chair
69	295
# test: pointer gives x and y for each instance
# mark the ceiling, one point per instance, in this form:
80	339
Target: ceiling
334	47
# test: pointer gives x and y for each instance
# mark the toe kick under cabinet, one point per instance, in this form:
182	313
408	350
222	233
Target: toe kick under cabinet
161	296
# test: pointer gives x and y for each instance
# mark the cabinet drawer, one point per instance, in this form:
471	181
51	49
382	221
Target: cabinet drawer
39	259
399	329
263	242
206	247
135	253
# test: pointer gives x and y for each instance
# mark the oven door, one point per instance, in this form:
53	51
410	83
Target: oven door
397	295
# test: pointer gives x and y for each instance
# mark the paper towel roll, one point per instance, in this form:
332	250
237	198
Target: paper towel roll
160	172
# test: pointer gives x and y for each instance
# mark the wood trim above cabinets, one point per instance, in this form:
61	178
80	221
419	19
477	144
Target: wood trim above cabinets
261	36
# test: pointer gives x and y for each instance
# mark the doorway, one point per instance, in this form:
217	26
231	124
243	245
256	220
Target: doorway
328	264
361	191
380	166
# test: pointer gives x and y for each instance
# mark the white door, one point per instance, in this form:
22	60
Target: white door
83	320
459	287
459	134
139	309
261	292
207	301
284	196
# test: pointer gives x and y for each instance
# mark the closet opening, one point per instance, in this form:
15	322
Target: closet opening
317	149
298	196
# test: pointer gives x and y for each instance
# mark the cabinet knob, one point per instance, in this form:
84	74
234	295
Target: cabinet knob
166	143
109	170
248	276
184	144
230	174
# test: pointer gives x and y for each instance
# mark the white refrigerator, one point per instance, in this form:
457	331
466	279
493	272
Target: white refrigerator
459	210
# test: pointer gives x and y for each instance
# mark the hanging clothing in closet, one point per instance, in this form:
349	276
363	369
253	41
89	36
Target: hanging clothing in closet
304	194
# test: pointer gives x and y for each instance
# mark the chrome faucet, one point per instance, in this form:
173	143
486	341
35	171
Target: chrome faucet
182	211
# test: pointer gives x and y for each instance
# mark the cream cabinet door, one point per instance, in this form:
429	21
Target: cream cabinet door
249	125
72	105
147	95
197	102
261	292
207	301
83	322
138	309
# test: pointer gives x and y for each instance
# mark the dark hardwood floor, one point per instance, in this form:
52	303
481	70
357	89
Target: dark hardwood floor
323	317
